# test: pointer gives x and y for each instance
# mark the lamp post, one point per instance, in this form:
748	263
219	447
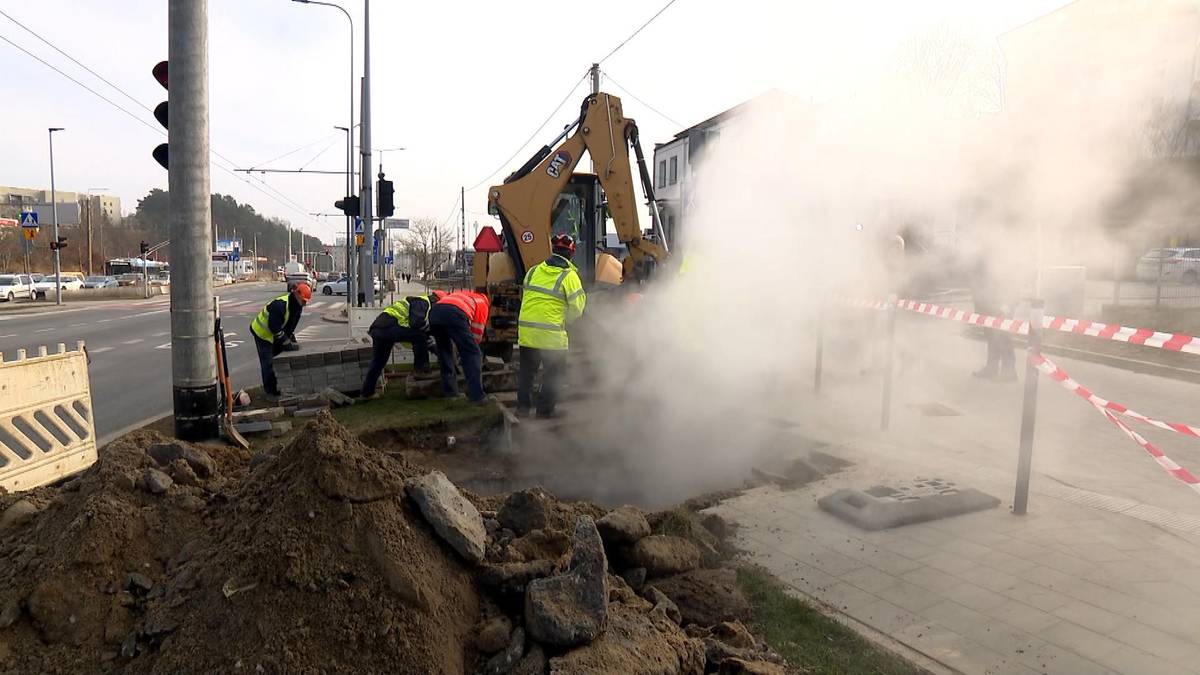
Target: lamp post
89	234
349	152
54	207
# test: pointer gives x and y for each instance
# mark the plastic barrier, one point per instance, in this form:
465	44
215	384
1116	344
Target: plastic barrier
46	425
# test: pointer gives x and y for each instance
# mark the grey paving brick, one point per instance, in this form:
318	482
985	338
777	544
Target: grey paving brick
1153	641
869	579
887	618
1036	595
909	596
1023	616
1130	661
1089	616
975	597
1080	640
846	598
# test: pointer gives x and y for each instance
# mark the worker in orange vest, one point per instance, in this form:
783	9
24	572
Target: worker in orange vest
457	320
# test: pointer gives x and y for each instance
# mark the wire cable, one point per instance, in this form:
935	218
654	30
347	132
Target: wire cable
647	105
289	153
318	155
635	33
533	135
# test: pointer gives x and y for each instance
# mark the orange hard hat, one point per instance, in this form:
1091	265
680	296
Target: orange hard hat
304	291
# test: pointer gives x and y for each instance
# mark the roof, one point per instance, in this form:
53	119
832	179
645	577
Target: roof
770	95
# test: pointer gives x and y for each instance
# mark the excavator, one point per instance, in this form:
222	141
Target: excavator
545	197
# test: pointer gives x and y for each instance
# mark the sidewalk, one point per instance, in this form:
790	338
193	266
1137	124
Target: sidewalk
1101	576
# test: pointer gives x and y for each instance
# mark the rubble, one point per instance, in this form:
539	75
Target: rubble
636	642
706	596
664	554
623	525
156	482
199	460
19	512
571	609
454	518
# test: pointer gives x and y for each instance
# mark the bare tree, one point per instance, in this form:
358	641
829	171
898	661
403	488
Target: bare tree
429	244
1164	134
942	63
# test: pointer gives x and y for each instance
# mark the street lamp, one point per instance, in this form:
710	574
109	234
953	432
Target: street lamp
54	207
89	233
349	152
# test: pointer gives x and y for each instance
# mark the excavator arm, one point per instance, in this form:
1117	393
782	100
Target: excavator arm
526	200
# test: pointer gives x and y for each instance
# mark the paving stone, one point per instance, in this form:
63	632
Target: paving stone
1090	616
1148	639
1020	615
869	579
975	597
1080	640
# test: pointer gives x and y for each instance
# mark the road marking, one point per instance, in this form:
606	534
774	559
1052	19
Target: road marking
133	341
106	320
100	350
43	330
8	336
162	334
153	311
165	345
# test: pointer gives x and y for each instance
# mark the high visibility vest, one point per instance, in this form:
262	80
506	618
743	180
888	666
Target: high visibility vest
474	305
552	296
399	310
261	324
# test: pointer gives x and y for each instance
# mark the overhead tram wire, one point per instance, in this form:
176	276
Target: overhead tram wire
647	105
109	101
531	136
289	153
635	33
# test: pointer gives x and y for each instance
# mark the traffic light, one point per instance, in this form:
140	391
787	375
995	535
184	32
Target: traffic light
386	192
160	114
348	206
144	248
58	245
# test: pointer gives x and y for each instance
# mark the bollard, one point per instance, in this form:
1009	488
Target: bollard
820	348
1028	408
889	349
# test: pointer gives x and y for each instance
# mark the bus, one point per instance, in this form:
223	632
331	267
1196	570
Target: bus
130	270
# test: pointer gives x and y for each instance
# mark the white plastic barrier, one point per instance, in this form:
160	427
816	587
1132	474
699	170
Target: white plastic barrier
361	319
46	425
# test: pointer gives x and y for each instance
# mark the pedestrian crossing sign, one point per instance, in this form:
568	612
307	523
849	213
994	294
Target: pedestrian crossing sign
29	219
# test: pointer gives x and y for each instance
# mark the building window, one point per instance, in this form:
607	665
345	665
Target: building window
662	173
674	170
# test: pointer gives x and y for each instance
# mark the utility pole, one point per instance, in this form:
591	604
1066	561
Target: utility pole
366	282
256	256
54	207
462	231
193	362
595	71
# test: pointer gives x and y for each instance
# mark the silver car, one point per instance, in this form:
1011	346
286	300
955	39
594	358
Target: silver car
1170	265
100	282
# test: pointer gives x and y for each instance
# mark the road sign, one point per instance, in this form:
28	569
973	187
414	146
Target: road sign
29	219
30	233
487	241
395	223
358	226
235	255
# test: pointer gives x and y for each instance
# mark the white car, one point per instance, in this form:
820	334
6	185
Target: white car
222	278
1179	265
339	287
13	286
68	281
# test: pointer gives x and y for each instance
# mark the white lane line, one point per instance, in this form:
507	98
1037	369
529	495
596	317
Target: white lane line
165	345
8	336
105	320
162	334
78	325
153	311
43	330
100	350
133	341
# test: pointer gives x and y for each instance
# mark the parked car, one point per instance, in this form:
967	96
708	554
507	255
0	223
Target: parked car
13	286
100	282
68	281
1177	265
129	279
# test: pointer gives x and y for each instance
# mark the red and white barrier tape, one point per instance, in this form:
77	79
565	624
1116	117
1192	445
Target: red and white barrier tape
1056	373
1110	410
1172	342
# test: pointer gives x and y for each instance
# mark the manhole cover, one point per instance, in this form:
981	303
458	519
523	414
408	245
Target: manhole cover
903	503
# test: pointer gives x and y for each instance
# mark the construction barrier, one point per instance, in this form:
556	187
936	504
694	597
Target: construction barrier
360	319
1036	362
46	425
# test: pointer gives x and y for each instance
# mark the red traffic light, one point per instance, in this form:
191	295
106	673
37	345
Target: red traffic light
160	73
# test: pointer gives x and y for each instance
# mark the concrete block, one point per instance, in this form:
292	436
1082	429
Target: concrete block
280	428
258	415
258	427
872	512
308	412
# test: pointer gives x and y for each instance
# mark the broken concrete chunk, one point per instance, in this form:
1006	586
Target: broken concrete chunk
514	578
634	642
664	554
308	412
19	512
156	482
199	460
454	518
706	597
493	635
504	661
663	604
259	427
525	511
533	663
572	609
624	525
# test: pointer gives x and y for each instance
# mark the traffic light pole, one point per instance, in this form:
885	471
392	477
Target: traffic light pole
54	208
193	360
366	282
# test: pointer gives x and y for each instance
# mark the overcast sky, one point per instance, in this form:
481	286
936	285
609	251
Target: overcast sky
459	84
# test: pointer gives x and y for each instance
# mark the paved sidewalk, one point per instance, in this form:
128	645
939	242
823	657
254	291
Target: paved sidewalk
1101	576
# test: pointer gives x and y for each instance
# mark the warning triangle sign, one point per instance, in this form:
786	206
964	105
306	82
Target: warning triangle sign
487	241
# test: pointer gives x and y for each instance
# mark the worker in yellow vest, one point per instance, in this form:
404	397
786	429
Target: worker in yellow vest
275	328
406	320
552	297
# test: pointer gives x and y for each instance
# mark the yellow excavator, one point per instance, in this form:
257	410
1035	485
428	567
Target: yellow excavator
545	197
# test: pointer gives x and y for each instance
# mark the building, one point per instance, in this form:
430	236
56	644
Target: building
14	200
674	161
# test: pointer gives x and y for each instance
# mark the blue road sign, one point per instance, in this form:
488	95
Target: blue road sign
29	219
358	226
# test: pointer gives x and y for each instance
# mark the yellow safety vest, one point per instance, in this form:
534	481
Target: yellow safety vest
553	296
261	324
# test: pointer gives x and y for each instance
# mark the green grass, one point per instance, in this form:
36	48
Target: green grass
811	641
394	411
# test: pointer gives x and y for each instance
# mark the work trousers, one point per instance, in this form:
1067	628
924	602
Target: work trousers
1001	358
266	355
451	329
383	340
553	362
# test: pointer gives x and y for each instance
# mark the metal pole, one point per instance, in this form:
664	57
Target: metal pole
1157	280
54	208
1028	408
193	361
89	234
349	191
889	349
462	234
366	279
820	360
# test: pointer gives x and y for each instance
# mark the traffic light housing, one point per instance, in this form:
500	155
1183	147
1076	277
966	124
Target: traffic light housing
386	197
348	206
144	248
161	114
58	245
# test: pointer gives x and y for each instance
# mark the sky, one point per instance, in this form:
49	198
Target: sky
458	84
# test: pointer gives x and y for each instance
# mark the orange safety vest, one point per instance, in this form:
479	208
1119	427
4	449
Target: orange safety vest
474	305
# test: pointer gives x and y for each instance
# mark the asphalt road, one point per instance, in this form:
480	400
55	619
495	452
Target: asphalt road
130	345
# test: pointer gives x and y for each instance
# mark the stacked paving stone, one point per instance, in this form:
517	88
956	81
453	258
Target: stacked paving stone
340	367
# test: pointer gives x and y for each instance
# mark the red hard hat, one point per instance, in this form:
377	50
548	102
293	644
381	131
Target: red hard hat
563	242
304	291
